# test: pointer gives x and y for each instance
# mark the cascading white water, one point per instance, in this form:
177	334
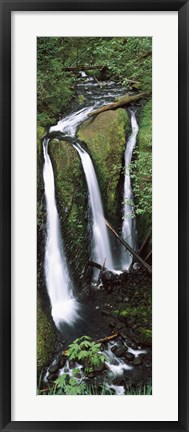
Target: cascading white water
101	251
83	74
59	285
69	124
128	226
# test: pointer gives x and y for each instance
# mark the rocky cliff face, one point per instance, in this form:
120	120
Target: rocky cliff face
105	137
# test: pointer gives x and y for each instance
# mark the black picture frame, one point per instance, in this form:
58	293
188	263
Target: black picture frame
6	7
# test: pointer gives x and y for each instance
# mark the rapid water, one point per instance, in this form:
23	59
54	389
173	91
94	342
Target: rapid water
128	226
101	251
58	282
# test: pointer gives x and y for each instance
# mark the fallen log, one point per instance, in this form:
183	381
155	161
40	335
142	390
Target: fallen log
127	100
94	264
129	248
148	256
107	338
82	68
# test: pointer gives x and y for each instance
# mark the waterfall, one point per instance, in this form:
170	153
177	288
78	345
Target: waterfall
83	74
58	282
69	124
128	226
101	251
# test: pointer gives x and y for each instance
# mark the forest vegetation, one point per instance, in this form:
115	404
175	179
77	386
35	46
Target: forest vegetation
128	62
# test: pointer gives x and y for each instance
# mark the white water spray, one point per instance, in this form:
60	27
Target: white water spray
83	74
128	227
101	251
69	124
59	285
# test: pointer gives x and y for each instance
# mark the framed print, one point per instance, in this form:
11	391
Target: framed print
94	179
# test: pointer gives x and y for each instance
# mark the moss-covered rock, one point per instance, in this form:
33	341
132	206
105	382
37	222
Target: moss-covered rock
40	135
145	336
123	314
105	137
116	313
71	196
46	336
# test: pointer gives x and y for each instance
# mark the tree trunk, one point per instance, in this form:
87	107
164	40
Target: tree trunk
129	248
82	68
94	264
148	256
107	338
144	243
127	100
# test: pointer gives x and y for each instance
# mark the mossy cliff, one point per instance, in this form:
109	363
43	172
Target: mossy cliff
71	196
46	335
105	137
46	332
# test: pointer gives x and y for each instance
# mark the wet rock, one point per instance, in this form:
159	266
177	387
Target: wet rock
107	276
134	345
119	326
77	375
114	349
120	351
112	324
99	368
120	381
109	288
62	362
54	368
123	335
137	361
52	377
106	312
129	356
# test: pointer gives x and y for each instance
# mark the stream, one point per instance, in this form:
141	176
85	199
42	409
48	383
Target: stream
93	315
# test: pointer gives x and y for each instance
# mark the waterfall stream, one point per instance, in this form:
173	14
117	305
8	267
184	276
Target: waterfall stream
128	226
58	282
101	251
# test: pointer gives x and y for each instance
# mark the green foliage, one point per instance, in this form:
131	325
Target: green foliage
145	335
54	86
141	169
125	59
84	348
67	385
145	390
